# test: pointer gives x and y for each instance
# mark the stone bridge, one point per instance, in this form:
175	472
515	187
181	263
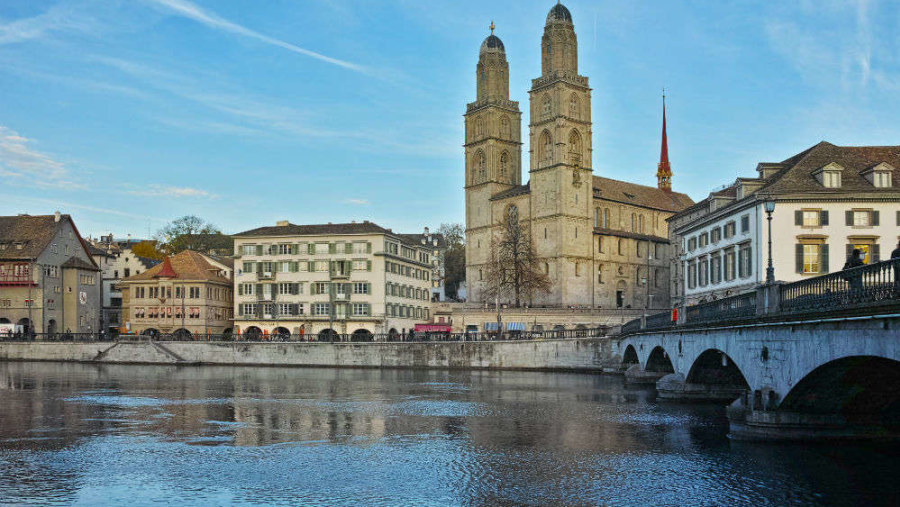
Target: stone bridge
828	369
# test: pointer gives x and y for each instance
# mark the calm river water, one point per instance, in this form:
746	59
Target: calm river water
136	435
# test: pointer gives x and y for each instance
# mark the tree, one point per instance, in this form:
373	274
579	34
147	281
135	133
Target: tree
147	249
514	272
452	260
186	226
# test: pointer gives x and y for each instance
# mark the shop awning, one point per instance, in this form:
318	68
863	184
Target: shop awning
490	326
515	326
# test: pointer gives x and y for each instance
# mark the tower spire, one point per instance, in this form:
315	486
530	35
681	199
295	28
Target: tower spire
664	170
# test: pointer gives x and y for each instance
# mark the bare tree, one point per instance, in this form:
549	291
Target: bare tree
514	272
452	259
184	230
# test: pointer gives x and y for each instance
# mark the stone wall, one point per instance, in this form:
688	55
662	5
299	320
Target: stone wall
585	354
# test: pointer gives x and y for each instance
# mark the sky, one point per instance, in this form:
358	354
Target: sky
130	113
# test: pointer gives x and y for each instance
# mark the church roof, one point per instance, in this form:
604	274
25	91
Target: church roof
640	195
559	12
512	192
492	44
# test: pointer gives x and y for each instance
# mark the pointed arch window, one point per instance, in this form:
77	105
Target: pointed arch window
504	164
546	148
575	148
546	105
479	127
504	128
574	106
480	164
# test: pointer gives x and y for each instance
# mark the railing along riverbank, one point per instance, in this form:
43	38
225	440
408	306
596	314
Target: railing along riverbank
315	338
850	290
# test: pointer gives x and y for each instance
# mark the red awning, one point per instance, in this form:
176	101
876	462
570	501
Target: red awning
432	328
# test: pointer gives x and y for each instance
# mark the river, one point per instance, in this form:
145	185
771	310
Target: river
138	435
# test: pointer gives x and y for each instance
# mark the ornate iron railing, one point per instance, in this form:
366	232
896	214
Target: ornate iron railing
734	307
860	286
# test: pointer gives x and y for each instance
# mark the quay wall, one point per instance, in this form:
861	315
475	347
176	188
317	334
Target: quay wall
577	354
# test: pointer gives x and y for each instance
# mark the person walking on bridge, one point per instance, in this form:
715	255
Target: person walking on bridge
855	279
895	256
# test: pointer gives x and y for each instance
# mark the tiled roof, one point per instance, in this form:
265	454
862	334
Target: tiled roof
512	192
640	195
316	230
797	175
34	233
76	263
187	265
417	239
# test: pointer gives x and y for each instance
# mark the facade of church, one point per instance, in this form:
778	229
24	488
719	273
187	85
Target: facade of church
602	242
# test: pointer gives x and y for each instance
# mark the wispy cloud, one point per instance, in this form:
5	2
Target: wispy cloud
65	205
211	19
26	166
170	191
358	202
56	19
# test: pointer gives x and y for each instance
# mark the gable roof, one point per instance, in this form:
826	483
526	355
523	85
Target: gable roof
640	195
75	262
365	227
187	265
34	233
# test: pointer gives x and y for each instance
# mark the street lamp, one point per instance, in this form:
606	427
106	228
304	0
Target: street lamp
769	206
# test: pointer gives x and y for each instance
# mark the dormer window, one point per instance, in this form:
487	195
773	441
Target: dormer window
880	176
830	175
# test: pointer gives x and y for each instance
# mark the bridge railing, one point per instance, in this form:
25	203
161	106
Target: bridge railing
730	308
849	288
659	321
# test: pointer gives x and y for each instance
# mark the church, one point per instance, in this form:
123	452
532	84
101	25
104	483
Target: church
603	243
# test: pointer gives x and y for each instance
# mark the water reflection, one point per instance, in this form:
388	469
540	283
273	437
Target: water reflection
109	434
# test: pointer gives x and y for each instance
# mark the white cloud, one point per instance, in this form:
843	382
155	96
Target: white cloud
169	191
191	11
23	165
56	19
358	202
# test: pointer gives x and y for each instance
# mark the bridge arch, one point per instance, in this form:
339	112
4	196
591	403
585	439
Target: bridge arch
854	387
630	356
659	360
715	367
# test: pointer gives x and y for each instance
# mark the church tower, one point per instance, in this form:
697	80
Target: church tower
492	149
561	174
663	169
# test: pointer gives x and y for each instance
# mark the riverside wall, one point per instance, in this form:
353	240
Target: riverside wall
579	354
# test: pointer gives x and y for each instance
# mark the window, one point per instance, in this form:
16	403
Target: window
704	239
321	309
809	218
621	246
320	288
600	244
692	244
745	261
246	289
862	218
605	217
870	250
361	288
729	229
600	273
716	234
596	217
285	249
692	274
881	179
360	309
745	224
729	265
704	272
831	179
286	289
715	267
811	258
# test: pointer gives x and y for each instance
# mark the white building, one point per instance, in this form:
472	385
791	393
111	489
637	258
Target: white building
348	279
829	200
116	261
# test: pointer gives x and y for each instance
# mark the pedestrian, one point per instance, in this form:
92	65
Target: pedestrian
895	255
854	261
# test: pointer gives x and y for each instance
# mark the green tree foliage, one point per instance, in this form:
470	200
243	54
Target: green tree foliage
180	234
147	249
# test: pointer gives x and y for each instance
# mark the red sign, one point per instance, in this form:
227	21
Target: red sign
432	328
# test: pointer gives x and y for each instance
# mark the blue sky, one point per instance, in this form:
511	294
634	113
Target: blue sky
128	113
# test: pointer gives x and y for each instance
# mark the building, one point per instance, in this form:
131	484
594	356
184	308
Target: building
189	295
828	200
116	261
215	244
48	281
351	278
602	242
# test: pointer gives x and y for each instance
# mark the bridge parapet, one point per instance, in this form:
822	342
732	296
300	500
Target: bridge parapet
862	290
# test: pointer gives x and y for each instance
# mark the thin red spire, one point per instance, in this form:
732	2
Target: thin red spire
166	271
664	170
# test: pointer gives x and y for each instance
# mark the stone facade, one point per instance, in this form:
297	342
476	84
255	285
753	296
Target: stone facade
48	281
563	204
189	294
347	279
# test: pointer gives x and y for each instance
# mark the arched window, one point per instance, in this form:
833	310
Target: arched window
512	214
546	105
479	127
546	148
574	107
633	222
574	147
605	217
504	164
504	128
641	224
546	268
481	165
621	246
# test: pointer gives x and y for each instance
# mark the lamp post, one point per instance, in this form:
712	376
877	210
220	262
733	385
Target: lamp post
769	206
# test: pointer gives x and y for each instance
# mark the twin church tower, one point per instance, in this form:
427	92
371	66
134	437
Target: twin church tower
563	203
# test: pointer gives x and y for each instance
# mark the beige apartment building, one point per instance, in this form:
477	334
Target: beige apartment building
356	279
189	295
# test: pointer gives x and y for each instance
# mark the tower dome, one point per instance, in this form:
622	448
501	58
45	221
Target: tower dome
492	44
559	13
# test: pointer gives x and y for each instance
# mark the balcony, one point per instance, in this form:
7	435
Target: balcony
265	275
263	296
342	296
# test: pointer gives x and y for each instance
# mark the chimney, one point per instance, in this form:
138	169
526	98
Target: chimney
56	216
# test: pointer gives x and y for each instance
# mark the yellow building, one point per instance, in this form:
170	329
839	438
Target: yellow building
189	295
